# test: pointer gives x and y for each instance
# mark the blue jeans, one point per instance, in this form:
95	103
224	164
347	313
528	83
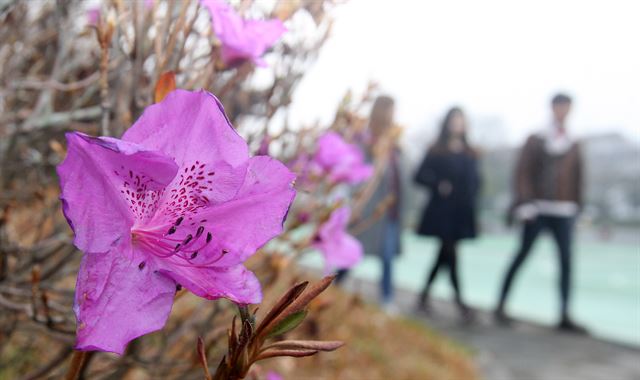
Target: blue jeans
389	247
391	234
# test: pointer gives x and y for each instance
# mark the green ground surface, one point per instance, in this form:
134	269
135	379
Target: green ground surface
606	293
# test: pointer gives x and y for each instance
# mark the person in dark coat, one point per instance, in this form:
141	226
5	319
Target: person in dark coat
548	188
450	173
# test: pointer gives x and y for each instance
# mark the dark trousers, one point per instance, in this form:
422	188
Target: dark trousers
561	229
447	257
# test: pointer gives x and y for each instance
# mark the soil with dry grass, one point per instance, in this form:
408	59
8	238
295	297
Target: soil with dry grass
378	346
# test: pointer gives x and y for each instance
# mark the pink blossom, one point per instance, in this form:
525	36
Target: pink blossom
340	250
273	375
177	200
343	162
242	39
263	149
93	16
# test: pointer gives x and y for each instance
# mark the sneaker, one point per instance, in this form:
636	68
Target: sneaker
567	325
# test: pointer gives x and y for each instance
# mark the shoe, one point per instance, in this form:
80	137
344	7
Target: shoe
567	325
423	305
501	318
467	313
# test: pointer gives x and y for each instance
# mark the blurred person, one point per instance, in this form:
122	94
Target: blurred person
450	172
547	196
381	212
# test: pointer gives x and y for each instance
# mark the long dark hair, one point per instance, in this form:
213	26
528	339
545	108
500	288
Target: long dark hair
442	142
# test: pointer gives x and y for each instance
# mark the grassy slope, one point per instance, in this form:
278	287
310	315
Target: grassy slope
377	346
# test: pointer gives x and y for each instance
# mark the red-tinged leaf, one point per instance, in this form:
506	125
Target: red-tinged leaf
166	84
293	353
303	300
305	345
233	338
287	324
202	356
306	297
291	295
222	372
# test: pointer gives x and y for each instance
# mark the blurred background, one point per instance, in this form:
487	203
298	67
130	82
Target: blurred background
502	62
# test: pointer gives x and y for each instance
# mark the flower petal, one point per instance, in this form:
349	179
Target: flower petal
263	34
338	221
242	225
119	299
332	150
93	180
195	187
189	126
341	251
236	283
344	162
241	39
353	174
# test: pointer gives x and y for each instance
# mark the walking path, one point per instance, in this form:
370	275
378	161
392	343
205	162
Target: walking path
525	351
606	280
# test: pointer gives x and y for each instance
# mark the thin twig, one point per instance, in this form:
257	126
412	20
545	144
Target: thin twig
56	361
33	84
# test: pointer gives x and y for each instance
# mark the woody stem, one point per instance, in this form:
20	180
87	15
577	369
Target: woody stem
77	360
245	315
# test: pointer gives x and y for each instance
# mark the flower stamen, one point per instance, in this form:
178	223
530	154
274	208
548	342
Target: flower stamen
163	246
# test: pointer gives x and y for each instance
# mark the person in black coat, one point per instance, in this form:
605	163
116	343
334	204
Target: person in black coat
450	173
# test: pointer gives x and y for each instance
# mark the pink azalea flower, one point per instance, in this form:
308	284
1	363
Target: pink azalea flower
93	16
242	39
273	375
177	200
340	250
343	162
263	149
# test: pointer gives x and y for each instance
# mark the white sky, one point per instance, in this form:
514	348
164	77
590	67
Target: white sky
497	58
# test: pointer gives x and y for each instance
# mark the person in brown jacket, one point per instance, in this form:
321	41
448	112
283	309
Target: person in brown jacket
547	196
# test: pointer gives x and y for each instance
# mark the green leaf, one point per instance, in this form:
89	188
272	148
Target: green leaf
289	323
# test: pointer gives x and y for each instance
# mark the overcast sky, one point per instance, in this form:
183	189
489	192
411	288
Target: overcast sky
499	59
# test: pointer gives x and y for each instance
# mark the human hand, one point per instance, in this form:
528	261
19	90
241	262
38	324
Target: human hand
526	212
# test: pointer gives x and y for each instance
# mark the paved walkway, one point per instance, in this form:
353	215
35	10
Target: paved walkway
606	283
525	351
